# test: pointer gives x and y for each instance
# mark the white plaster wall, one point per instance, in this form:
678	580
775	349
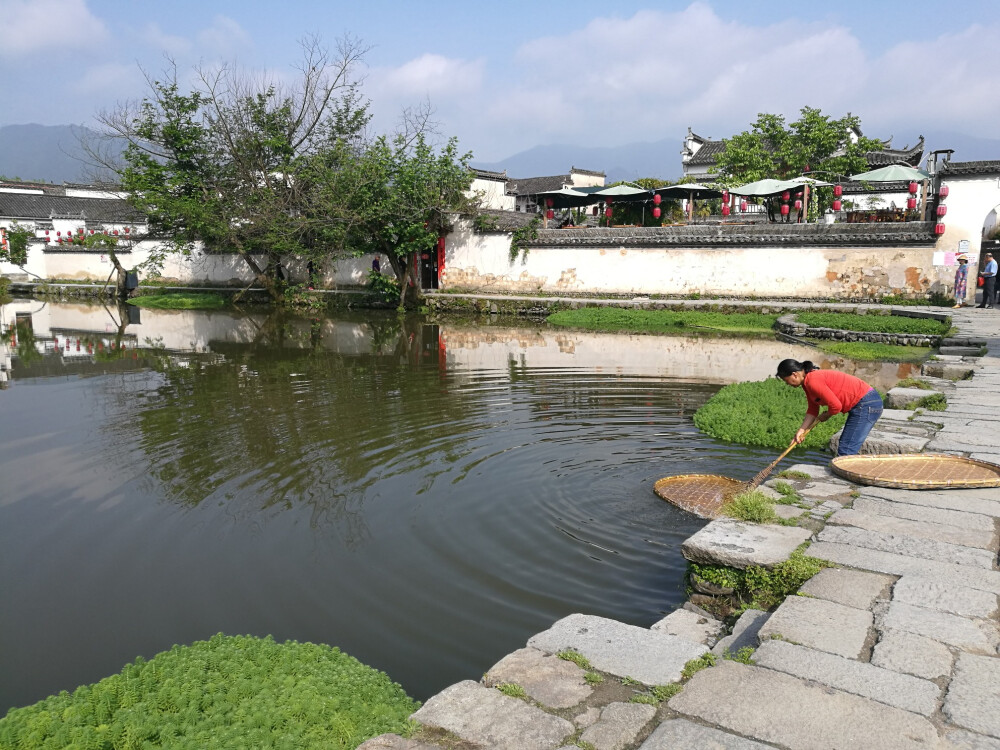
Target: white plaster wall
493	194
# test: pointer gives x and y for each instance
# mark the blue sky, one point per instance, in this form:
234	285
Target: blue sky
504	77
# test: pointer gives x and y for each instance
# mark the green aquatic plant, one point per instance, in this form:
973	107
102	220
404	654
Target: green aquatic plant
750	505
874	323
914	383
790	474
228	691
181	301
661	321
865	351
765	412
933	402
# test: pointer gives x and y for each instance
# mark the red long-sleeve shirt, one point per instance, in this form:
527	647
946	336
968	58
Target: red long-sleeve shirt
835	390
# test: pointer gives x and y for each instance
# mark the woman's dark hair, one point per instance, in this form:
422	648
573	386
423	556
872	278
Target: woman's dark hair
787	366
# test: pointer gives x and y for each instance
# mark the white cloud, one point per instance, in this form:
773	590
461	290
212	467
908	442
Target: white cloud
428	75
153	37
33	26
225	39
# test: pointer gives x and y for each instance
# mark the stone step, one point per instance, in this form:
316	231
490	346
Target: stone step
691	626
744	634
487	717
912	654
681	734
395	742
964	341
651	657
619	725
739	545
938	516
820	624
919	529
897	564
964	633
984	501
928	549
973	699
960	351
892	688
797	714
548	680
956	600
852	588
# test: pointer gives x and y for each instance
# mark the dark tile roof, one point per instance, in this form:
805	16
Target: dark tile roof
508	221
956	168
535	185
708	153
587	171
485	174
887	156
34	207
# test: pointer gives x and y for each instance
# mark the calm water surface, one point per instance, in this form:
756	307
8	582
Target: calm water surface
426	497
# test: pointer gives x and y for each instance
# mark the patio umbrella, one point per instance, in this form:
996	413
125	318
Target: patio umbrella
810	181
766	187
892	173
624	193
567	198
690	190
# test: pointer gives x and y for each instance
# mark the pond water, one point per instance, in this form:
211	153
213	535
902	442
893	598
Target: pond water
423	496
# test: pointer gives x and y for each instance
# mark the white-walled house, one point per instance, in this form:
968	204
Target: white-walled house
527	189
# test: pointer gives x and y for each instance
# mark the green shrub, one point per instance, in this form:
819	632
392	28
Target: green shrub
763	588
751	505
383	288
229	691
914	383
765	412
660	321
933	402
874	323
696	665
867	351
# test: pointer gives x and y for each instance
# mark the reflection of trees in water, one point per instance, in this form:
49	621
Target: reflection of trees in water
268	428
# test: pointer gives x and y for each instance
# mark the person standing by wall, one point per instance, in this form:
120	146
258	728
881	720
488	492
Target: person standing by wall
961	279
989	274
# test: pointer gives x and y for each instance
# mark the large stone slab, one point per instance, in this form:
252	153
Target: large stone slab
880	442
985	501
938	516
905	398
395	742
892	688
889	562
962	632
487	717
618	726
947	370
691	626
958	600
961	739
914	654
973	699
918	529
549	680
797	714
960	351
817	623
681	734
740	545
852	588
927	549
623	650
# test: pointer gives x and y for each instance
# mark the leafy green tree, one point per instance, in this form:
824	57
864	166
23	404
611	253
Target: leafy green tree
229	163
774	149
14	245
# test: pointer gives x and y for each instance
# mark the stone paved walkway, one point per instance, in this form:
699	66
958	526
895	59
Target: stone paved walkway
897	647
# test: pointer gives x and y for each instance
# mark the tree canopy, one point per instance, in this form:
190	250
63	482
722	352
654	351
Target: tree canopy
772	148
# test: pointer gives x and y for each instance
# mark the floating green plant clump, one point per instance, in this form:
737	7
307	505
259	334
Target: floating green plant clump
865	351
874	323
764	412
229	691
661	321
181	301
751	505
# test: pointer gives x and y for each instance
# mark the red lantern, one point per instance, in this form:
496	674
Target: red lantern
116	233
127	230
785	196
725	196
913	187
549	202
91	231
608	200
657	212
550	214
836	205
743	206
798	205
80	231
943	191
657	199
607	212
939	228
725	210
784	209
58	234
838	190
911	203
942	210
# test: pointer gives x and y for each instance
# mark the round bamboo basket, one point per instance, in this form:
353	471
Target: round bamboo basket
701	494
917	471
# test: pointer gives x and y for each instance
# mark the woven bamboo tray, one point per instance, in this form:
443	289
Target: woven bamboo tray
917	471
701	494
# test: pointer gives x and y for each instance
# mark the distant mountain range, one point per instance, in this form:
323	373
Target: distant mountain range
52	153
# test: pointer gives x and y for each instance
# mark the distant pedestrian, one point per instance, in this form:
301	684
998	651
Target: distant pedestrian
376	267
838	392
961	279
989	274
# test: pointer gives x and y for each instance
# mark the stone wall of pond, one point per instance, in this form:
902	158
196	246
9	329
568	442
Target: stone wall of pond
815	261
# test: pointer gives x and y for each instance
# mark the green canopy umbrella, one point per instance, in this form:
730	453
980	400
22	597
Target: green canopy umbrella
690	190
766	187
892	173
810	181
624	193
567	198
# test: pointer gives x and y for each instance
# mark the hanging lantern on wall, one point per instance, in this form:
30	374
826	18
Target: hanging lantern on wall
784	209
607	212
943	191
838	190
913	188
656	212
657	199
939	228
785	196
942	210
836	205
743	207
550	214
911	204
798	205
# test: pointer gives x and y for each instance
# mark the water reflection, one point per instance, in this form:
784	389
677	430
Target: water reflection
425	496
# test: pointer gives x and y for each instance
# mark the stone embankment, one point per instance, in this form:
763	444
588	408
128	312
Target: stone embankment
895	646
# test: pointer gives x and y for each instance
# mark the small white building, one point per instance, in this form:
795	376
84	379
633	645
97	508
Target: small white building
492	189
527	189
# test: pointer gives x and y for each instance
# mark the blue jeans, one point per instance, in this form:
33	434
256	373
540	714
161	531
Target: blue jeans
860	421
